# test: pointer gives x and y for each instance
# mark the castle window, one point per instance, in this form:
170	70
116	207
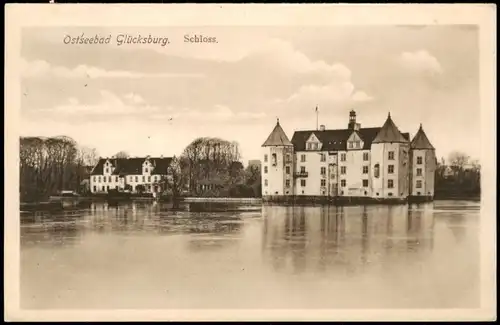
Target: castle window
149	179
323	182
365	156
323	171
358	144
265	158
302	169
95	178
273	159
389	194
287	169
104	179
265	182
376	171
265	169
322	157
287	183
116	178
145	170
419	171
107	170
419	160
288	158
365	183
351	145
390	183
419	184
99	179
136	179
343	170
143	179
391	155
303	182
302	158
365	169
342	157
343	183
390	169
109	179
309	146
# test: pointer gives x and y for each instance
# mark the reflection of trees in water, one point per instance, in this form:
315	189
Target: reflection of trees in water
212	230
456	223
161	218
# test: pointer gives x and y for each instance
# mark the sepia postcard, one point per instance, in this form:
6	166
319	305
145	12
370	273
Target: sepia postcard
250	162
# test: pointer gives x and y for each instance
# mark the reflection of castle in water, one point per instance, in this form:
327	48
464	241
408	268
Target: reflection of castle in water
346	239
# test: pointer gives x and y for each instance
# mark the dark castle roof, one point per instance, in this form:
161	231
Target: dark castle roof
335	140
420	141
389	133
277	137
133	166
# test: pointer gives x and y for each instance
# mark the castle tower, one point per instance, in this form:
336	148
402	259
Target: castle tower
423	166
390	162
277	164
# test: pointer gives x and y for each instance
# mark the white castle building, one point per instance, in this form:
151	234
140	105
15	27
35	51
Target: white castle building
123	173
375	162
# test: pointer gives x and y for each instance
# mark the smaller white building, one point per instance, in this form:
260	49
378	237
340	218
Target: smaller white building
134	174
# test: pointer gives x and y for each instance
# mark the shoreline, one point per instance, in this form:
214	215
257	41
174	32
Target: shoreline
229	200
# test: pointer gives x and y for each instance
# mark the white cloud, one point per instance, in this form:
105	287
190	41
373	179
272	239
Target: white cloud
109	104
361	96
134	98
420	61
283	54
333	94
42	69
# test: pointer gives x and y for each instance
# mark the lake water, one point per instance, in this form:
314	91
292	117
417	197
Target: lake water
145	255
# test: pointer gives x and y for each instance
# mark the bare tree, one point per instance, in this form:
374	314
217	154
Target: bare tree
48	165
210	162
458	160
121	154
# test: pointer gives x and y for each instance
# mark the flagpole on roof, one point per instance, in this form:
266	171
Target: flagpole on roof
317	126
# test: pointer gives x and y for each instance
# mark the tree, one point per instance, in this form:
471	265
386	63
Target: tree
253	179
49	165
458	160
211	164
121	154
177	177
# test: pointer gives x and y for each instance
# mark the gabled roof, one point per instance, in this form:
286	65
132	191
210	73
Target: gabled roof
335	140
277	137
420	141
132	166
389	133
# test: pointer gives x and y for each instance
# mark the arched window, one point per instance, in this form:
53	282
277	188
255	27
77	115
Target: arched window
273	159
376	171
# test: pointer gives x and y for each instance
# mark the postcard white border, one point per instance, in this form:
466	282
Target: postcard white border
23	15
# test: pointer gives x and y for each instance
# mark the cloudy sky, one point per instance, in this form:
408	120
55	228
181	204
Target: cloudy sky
150	99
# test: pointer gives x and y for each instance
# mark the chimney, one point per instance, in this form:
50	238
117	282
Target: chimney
322	128
161	156
352	120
